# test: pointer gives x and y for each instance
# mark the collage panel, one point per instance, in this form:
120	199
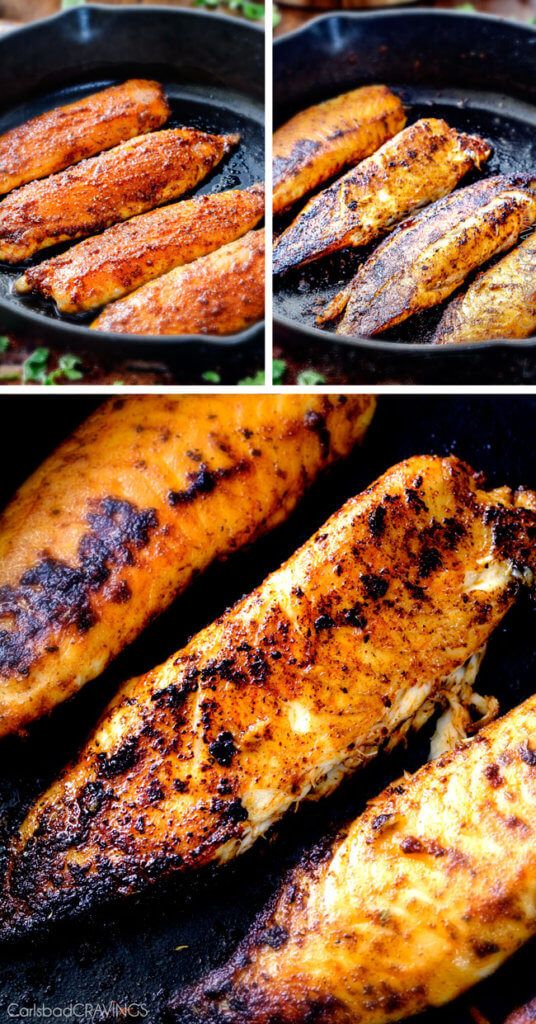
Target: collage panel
403	195
132	172
267	709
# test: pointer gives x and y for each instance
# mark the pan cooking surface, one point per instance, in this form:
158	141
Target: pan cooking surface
209	109
510	127
131	953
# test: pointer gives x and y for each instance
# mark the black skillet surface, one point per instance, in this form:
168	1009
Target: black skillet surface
212	69
131	953
477	72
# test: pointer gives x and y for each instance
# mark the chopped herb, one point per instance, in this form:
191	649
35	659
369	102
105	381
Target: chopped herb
67	4
68	367
4	343
276	16
279	368
179	948
251	10
465	7
258	378
34	368
308	377
211	377
118	383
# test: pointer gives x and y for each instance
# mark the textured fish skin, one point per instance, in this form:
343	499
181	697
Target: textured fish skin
324	139
144	496
127	180
425	259
128	255
65	135
419	165
218	294
378	618
428	892
500	303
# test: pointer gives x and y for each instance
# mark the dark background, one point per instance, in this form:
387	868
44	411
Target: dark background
129	953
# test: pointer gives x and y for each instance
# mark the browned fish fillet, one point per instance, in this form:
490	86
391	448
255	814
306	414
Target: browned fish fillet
128	255
144	496
378	618
422	163
64	136
428	892
322	140
218	294
500	303
430	255
524	1015
136	176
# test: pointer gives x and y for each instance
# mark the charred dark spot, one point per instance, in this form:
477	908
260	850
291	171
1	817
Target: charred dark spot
124	758
121	593
224	787
528	755
417	592
414	500
317	423
484	949
205	481
323	622
223	749
180	785
154	792
354	617
493	775
232	812
429	561
380	820
375	586
275	937
174	695
410	844
453	531
376	521
52	595
91	798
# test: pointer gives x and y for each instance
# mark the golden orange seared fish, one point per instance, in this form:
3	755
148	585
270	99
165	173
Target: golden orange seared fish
322	140
379	617
128	255
144	495
500	303
428	892
127	180
218	294
64	136
422	163
430	255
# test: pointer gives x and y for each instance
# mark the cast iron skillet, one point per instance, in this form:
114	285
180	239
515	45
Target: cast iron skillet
477	72
129	953
212	69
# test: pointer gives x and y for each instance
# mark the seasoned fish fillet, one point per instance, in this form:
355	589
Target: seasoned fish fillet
64	136
136	176
500	303
322	140
430	255
428	892
421	164
381	615
525	1014
218	294
128	255
144	495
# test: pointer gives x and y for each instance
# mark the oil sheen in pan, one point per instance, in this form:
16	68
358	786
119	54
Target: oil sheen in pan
510	127
217	113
